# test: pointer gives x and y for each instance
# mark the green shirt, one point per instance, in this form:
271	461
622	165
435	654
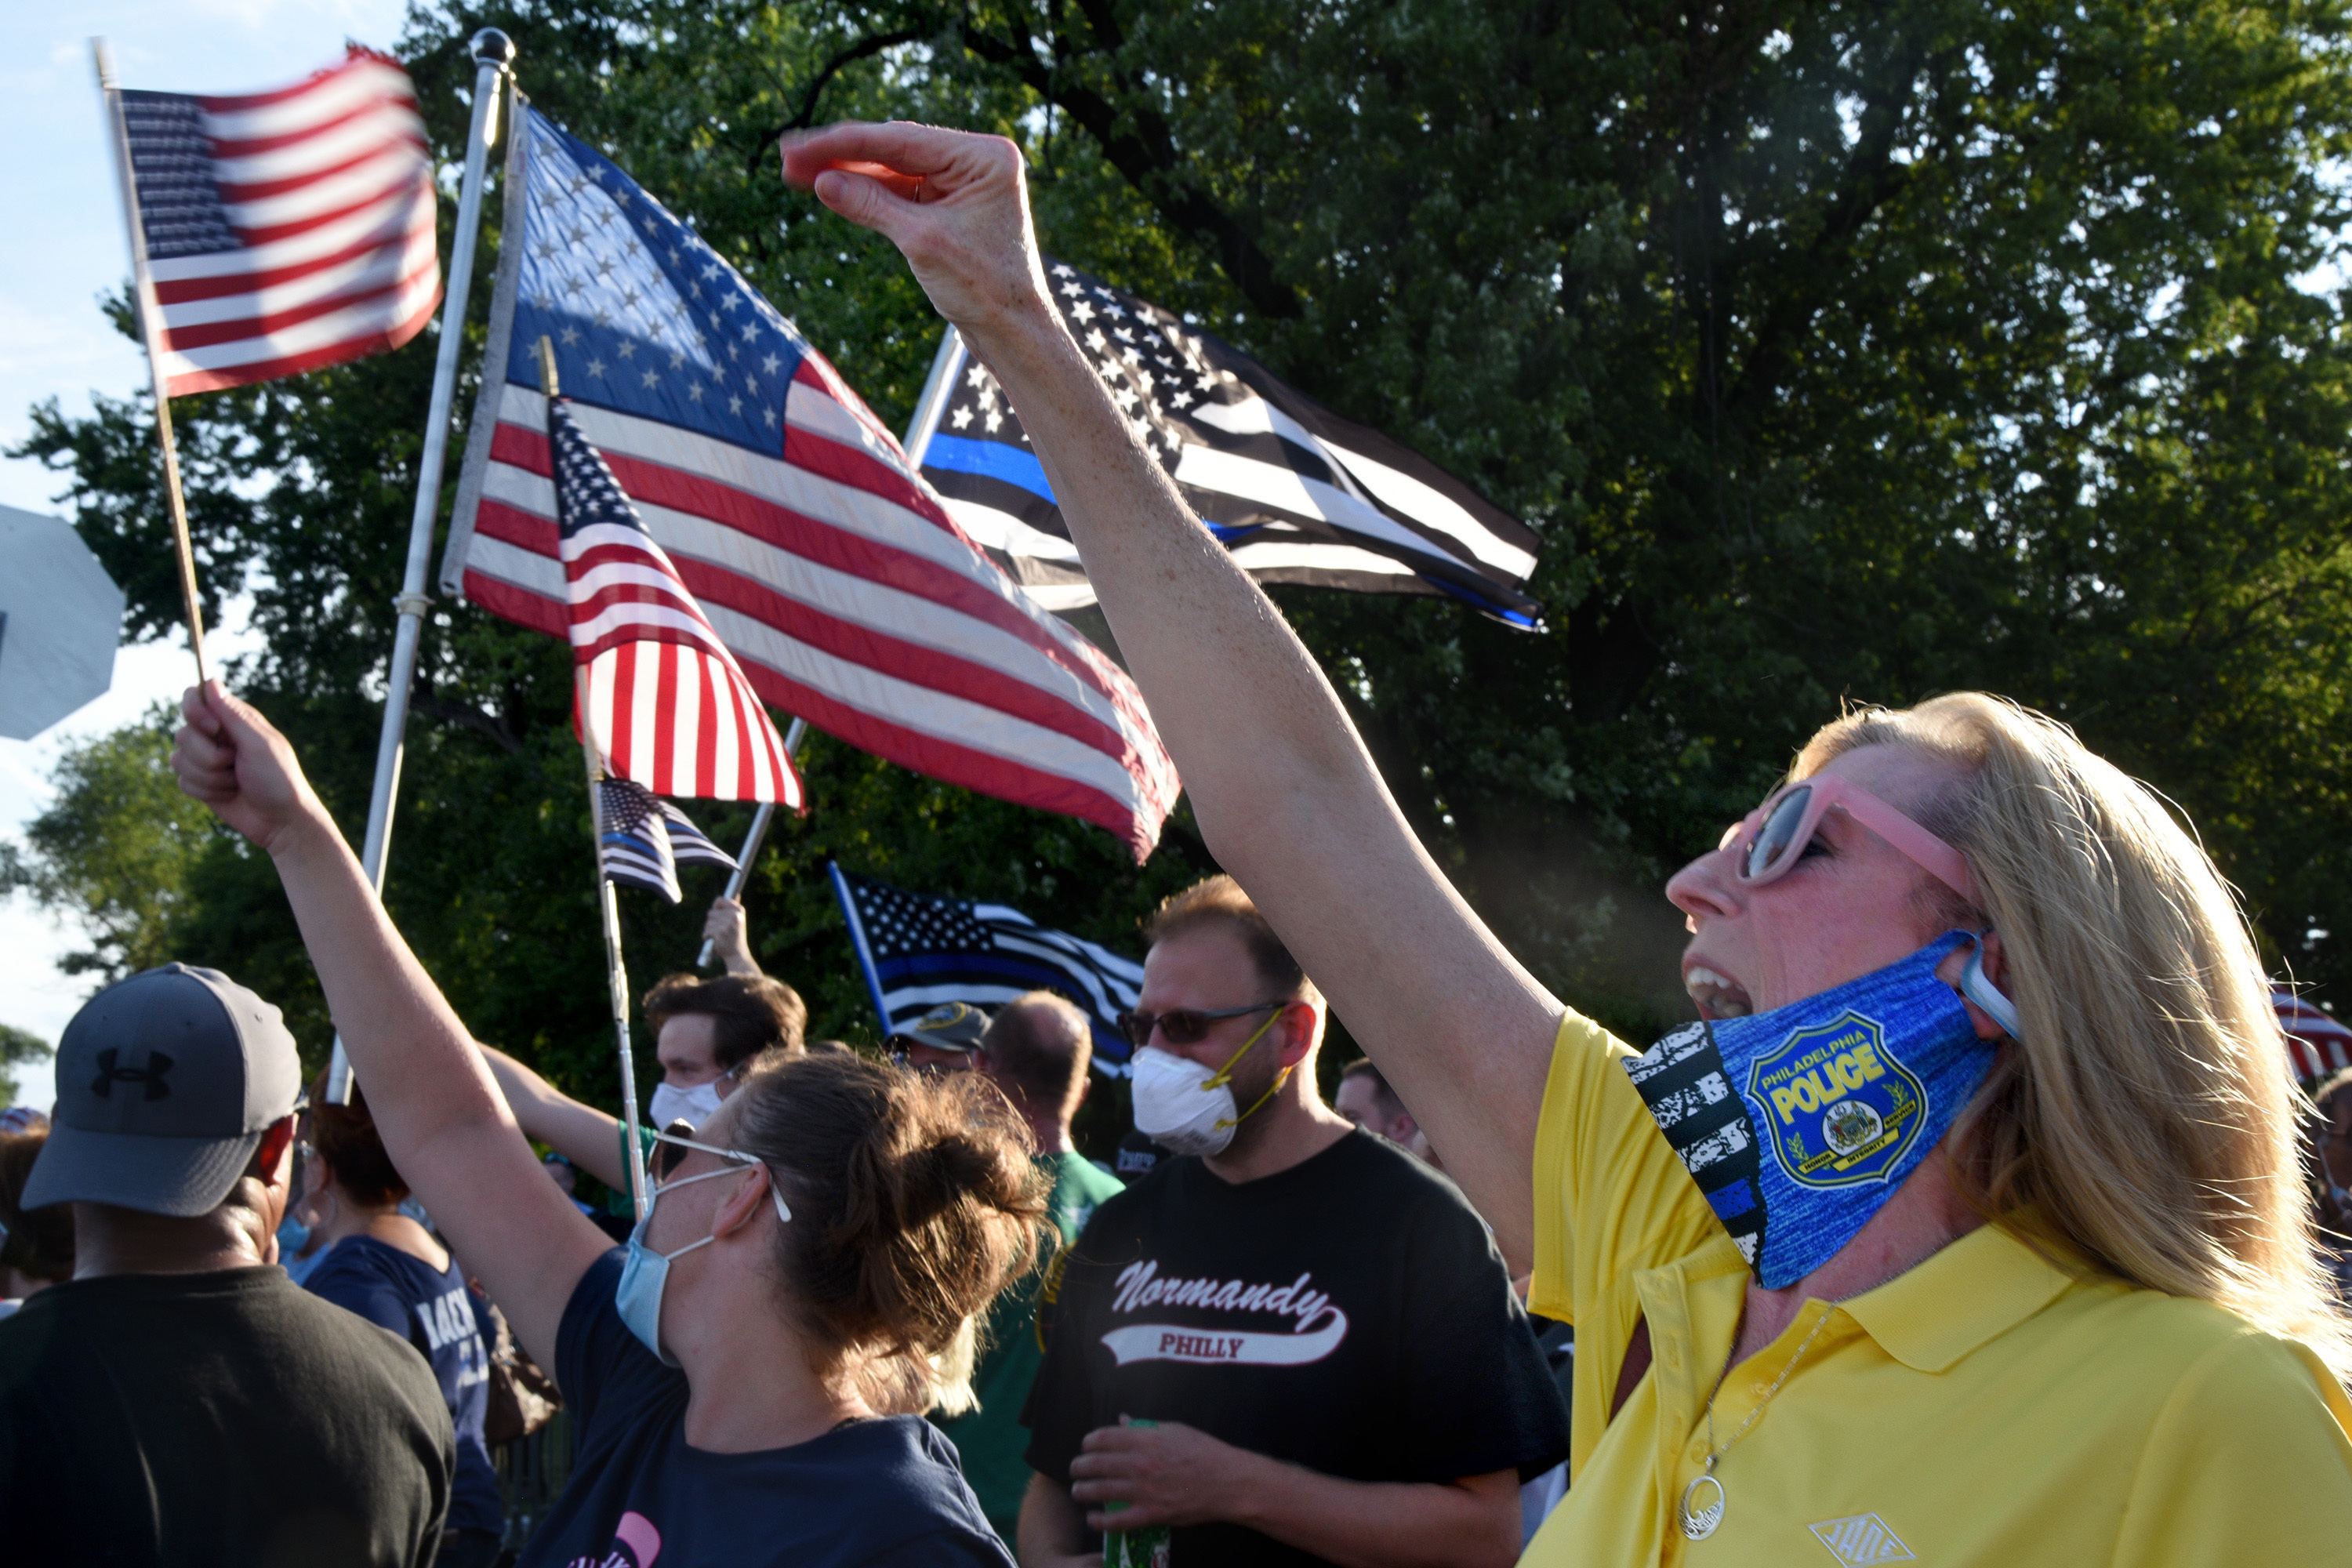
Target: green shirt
990	1438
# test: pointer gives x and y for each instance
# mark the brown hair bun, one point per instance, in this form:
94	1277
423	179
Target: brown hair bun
914	1199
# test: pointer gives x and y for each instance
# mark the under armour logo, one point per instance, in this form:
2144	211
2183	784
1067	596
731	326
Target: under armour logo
152	1075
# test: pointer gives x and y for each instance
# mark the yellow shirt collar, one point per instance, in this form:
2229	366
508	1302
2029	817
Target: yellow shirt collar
1978	1288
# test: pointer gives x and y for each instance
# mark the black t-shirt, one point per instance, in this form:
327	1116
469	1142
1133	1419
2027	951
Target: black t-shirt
1349	1314
884	1491
214	1420
432	1309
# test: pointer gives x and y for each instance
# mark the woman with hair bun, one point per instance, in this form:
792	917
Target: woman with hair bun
737	1376
1965	1223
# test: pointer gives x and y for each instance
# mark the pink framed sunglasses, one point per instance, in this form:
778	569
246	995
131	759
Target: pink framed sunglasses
1773	836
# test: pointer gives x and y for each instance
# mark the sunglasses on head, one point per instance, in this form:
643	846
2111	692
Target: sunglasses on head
670	1146
1773	836
1183	1026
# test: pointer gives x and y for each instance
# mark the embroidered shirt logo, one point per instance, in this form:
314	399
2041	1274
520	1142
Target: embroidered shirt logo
1862	1539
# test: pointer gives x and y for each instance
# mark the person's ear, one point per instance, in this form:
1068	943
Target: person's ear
1298	1026
741	1206
273	1159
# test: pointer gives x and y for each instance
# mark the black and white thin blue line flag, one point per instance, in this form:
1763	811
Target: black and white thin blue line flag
641	838
1297	493
919	951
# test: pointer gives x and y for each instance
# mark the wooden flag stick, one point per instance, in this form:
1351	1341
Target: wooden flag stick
150	332
608	903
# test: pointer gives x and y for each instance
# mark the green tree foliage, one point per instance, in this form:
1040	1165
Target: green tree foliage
1840	352
115	848
21	1049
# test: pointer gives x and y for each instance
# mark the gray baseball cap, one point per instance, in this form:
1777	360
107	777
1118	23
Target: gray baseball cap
166	1082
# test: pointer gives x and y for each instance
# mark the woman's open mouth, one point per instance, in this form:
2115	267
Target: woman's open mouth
1718	995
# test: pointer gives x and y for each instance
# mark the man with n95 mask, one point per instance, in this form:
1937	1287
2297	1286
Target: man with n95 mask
1319	1332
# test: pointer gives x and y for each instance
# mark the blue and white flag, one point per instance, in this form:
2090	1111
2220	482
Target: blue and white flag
640	840
919	951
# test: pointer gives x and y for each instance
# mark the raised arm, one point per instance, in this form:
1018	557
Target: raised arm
1284	793
589	1138
443	1121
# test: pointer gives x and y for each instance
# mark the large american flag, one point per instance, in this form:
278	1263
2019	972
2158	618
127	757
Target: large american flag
664	700
919	951
285	230
823	560
1297	493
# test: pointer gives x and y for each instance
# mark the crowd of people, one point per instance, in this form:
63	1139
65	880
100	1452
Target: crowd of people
1974	1220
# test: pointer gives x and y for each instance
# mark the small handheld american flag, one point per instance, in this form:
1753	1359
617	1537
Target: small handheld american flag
659	695
640	840
285	230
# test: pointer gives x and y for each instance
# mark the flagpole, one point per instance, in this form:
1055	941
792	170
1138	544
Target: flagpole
150	334
753	839
938	387
608	903
494	52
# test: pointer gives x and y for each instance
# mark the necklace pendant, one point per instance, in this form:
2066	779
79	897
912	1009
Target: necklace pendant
1698	1523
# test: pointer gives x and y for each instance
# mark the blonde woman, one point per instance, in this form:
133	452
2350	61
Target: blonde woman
1964	1227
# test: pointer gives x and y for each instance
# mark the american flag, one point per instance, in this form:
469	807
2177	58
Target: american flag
1296	492
640	840
821	560
2316	1044
658	692
285	230
919	951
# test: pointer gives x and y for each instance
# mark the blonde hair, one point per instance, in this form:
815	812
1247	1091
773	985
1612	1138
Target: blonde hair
2145	1115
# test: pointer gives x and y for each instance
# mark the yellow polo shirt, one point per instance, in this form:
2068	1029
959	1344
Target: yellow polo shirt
1988	1407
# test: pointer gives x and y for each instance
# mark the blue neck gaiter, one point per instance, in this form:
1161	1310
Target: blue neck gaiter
1799	1123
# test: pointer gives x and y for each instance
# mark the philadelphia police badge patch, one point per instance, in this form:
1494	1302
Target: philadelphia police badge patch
1839	1108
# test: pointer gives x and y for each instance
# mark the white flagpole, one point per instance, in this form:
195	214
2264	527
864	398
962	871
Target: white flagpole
609	905
150	334
938	387
493	54
754	838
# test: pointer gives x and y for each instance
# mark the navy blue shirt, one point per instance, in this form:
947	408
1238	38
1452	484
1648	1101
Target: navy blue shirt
432	1309
887	1490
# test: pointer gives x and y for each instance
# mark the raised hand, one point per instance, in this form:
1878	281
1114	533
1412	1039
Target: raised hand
234	760
955	203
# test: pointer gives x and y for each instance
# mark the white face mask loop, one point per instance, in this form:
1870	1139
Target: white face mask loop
645	1273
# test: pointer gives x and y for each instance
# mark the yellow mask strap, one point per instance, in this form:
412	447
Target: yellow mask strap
1225	1074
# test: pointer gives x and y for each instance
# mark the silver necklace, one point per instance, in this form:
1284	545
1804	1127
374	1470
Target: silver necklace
1698	1523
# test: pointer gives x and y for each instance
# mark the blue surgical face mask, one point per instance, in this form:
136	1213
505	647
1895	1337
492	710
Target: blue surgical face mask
1799	1123
645	1273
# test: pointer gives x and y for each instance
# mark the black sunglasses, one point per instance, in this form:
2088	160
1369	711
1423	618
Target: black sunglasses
666	1156
1183	1026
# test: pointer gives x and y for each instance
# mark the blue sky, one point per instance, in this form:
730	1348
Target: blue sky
59	182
